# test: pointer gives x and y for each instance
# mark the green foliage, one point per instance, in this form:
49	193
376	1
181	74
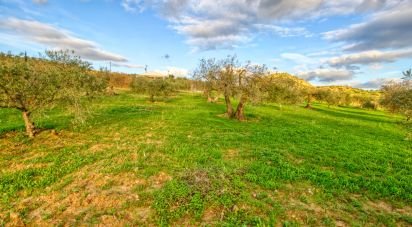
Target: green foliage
398	97
37	84
283	88
232	79
157	87
407	75
347	96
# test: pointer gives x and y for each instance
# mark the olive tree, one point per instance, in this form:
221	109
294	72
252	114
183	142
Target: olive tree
330	96
249	87
232	79
283	88
208	71
156	87
35	84
397	97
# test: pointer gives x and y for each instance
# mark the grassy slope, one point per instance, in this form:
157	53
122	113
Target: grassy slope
180	162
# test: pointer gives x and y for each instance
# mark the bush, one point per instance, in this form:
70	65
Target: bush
369	104
153	87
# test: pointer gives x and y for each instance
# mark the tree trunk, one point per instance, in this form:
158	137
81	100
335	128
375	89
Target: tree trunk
309	102
30	128
209	97
240	110
229	107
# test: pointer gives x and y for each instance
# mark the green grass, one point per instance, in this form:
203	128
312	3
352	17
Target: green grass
178	161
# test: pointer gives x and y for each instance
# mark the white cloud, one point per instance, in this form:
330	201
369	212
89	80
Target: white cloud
368	58
171	70
56	38
389	29
374	84
127	65
326	75
133	5
298	58
211	24
284	31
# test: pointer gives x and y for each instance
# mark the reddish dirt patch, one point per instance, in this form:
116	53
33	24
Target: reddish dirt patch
385	207
157	181
15	220
91	195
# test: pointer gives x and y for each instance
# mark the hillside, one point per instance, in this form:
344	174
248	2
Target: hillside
178	161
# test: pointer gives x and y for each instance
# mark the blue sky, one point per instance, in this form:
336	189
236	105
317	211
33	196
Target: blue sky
362	43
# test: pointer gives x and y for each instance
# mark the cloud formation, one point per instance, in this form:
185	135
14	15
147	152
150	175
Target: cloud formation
127	65
350	61
40	2
298	58
211	24
175	71
327	75
389	29
375	83
56	38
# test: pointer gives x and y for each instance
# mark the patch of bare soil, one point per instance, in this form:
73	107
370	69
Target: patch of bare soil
157	181
22	166
212	215
99	147
382	206
89	197
15	220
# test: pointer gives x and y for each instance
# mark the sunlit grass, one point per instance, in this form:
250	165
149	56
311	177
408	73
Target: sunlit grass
179	161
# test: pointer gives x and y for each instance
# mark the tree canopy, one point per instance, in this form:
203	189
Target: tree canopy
34	84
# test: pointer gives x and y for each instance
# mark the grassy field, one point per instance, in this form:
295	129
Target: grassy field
180	162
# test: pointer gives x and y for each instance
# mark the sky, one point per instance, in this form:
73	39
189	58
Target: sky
361	43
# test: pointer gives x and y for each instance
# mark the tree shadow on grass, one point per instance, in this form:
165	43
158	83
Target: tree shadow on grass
364	112
352	115
41	125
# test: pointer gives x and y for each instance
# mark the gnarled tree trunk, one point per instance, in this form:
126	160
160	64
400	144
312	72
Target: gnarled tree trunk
240	110
209	96
30	128
309	102
229	107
